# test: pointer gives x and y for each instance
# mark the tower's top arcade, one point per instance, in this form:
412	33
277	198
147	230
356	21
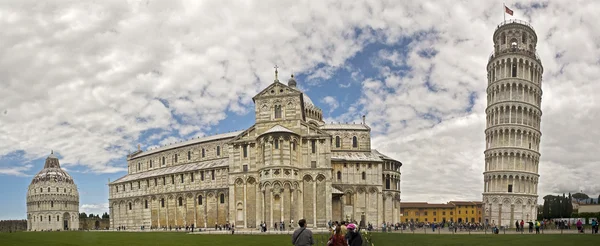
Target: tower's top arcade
515	36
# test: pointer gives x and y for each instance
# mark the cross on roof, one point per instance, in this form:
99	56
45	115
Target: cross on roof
276	67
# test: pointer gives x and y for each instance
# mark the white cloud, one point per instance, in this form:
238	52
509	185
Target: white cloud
99	208
87	79
331	102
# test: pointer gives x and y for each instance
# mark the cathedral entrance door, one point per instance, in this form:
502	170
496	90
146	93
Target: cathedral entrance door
66	218
362	220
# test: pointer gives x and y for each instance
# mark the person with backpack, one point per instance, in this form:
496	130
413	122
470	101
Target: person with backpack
353	236
537	227
302	236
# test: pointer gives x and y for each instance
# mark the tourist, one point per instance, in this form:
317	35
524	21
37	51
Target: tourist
537	227
522	224
302	236
517	225
579	226
337	239
353	236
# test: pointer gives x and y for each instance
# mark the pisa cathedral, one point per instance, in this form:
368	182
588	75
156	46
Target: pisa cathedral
52	199
514	97
287	166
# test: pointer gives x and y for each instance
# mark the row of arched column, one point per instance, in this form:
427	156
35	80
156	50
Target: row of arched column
203	209
513	113
521	67
391	182
512	162
524	183
514	91
52	205
515	137
313	113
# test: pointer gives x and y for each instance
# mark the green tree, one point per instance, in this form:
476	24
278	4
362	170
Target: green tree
580	196
82	215
105	215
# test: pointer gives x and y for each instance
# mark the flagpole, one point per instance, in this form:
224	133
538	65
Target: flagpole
504	11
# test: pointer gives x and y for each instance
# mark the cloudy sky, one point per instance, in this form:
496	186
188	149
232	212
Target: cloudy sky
91	80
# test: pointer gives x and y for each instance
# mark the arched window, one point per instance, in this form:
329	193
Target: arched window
164	161
245	149
524	38
56	189
276	143
139	166
189	155
348	198
218	150
180	201
387	182
199	200
162	202
150	163
175	157
277	111
364	175
145	203
41	190
514	69
212	173
48	189
51	204
222	198
503	38
354	142
129	206
337	142
203	153
339	175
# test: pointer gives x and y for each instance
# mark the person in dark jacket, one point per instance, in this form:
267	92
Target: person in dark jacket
354	237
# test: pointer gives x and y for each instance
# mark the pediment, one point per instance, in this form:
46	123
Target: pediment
314	130
276	89
248	134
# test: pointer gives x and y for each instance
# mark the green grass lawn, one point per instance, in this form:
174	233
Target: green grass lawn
181	239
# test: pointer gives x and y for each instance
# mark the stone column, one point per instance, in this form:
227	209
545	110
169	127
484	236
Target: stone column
271	207
292	204
315	203
245	207
300	201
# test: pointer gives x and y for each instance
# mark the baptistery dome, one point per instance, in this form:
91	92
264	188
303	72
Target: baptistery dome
52	199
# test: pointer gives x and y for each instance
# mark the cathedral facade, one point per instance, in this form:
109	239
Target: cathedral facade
289	165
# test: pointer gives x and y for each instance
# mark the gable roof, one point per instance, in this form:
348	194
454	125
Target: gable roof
345	127
222	162
278	128
186	143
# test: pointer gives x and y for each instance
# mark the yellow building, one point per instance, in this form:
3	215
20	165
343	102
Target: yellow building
457	211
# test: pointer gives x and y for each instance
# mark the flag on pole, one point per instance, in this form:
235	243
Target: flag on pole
508	11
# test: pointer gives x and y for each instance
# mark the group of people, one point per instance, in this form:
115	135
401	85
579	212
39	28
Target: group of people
343	234
520	226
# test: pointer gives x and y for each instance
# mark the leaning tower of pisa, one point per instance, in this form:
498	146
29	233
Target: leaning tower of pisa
512	134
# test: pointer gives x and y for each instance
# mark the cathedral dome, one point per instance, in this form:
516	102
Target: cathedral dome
52	199
52	172
307	102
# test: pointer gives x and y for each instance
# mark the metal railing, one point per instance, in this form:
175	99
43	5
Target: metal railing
513	21
515	51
